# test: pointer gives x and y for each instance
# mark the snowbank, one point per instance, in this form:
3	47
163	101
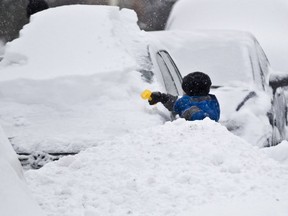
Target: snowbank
72	86
72	79
266	19
8	154
176	169
61	41
76	113
279	152
15	198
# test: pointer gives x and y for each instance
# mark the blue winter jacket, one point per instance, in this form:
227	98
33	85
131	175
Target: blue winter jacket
194	107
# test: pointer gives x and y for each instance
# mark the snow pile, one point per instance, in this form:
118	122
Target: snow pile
175	169
266	19
72	80
8	154
75	113
279	152
61	41
15	199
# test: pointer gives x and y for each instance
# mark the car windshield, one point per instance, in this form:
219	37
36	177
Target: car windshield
225	63
226	57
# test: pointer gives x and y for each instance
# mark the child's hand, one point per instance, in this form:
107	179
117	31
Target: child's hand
155	98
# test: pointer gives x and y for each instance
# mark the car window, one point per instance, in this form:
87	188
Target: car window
170	73
260	64
263	63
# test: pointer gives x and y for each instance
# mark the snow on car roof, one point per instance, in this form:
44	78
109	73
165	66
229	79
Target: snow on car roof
71	79
62	42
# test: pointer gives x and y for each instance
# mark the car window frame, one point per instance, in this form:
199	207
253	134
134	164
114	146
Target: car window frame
170	73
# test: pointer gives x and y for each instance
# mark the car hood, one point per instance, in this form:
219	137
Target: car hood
230	99
244	112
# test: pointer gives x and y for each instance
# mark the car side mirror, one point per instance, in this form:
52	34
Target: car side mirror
277	80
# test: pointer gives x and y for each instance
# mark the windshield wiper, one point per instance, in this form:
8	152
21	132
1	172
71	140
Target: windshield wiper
250	95
215	87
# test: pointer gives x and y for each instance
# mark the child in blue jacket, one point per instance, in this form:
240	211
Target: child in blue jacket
196	104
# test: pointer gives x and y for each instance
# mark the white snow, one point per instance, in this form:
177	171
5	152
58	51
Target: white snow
15	198
266	19
175	169
279	152
221	54
71	83
227	57
77	51
8	154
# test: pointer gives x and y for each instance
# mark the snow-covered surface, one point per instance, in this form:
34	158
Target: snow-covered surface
223	55
279	152
227	57
136	164
15	198
36	56
8	154
70	80
266	19
178	168
2	46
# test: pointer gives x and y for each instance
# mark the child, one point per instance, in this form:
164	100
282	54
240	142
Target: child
196	104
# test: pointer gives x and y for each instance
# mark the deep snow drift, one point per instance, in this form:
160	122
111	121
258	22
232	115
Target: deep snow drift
180	168
138	166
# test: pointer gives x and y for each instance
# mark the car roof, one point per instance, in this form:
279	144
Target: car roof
228	14
266	19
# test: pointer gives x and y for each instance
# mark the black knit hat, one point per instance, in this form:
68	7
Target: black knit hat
196	84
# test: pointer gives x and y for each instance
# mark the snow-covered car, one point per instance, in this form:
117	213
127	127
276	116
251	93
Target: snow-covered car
251	99
266	19
73	79
15	196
